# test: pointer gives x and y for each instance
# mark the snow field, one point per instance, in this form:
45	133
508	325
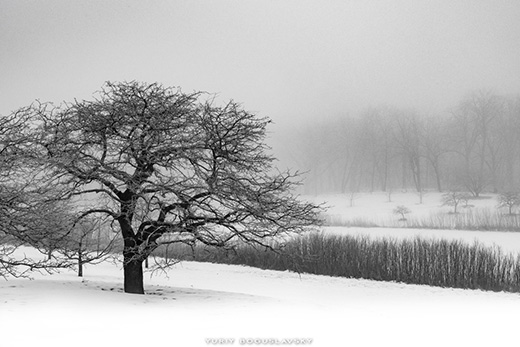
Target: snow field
197	301
375	207
200	304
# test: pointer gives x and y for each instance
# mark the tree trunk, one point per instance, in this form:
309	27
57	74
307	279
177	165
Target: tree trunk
133	275
80	265
80	258
403	167
373	175
385	173
132	259
438	178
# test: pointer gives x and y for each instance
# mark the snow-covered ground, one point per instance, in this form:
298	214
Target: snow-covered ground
195	301
196	304
376	206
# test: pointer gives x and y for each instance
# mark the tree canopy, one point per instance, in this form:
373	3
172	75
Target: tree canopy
29	205
168	167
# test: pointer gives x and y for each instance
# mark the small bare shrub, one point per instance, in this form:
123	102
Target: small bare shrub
402	211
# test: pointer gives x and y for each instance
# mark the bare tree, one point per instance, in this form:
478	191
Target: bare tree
90	241
26	200
435	146
454	198
465	135
509	130
375	147
408	136
485	107
402	211
169	168
509	200
474	119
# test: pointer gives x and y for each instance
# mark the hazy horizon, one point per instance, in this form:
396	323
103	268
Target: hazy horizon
292	61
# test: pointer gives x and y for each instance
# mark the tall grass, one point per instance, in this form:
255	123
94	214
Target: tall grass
419	261
339	220
475	219
485	219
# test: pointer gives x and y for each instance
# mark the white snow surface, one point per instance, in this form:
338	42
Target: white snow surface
194	301
376	206
196	304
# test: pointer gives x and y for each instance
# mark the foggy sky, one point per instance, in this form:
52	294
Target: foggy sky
289	60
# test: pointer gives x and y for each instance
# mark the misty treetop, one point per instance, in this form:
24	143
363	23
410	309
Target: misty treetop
168	167
472	147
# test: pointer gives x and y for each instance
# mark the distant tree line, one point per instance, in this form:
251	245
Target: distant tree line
473	147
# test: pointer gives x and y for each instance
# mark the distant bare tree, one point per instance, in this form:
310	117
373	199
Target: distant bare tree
352	196
454	198
90	241
402	211
509	200
409	138
474	119
509	130
435	145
